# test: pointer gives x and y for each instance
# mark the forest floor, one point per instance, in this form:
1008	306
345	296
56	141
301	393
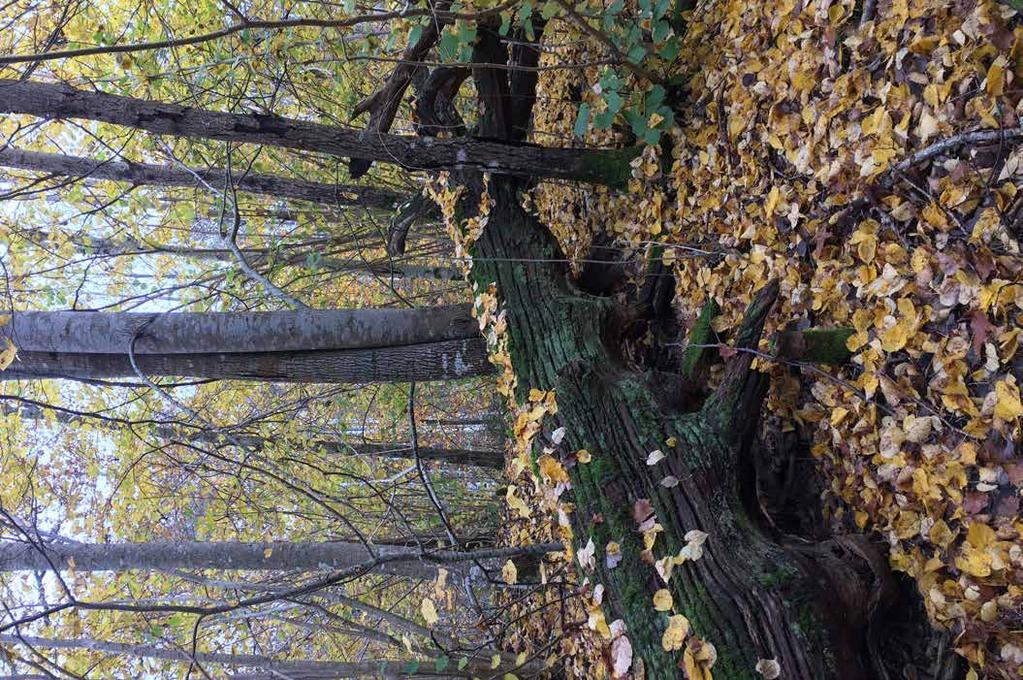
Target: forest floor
827	153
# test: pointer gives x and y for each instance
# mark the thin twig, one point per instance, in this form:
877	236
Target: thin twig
255	24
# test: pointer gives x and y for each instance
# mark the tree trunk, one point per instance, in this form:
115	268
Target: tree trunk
477	665
278	556
211	332
754	595
412	153
401	450
448	360
259	258
143	174
315	346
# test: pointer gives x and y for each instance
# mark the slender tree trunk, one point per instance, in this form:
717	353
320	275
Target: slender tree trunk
413	153
448	360
258	258
279	556
143	174
477	665
211	332
401	450
315	346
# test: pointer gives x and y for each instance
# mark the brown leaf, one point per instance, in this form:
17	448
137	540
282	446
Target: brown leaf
974	502
642	510
981	328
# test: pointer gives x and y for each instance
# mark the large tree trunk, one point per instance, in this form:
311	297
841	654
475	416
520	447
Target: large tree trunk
277	556
412	153
317	346
143	174
753	594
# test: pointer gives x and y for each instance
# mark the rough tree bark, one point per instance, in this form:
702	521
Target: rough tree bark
754	595
412	153
277	556
145	174
314	346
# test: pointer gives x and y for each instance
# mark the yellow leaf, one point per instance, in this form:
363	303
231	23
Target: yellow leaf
517	503
8	355
996	77
429	611
980	535
509	573
940	534
675	634
772	202
894	338
662	600
1007	404
267	552
975	563
583	456
694	671
495	661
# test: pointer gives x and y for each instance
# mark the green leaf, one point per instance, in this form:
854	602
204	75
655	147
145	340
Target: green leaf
440	663
670	49
415	33
603	120
411	668
613	101
448	46
463	662
582	120
637	54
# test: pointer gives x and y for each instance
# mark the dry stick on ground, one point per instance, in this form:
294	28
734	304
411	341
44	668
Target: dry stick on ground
889	176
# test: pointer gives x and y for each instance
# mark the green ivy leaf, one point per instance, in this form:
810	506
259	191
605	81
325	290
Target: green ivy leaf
582	120
448	46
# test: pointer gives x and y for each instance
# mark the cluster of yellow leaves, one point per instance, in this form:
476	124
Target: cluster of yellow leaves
783	168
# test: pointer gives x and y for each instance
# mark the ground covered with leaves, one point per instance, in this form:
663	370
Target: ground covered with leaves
806	143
